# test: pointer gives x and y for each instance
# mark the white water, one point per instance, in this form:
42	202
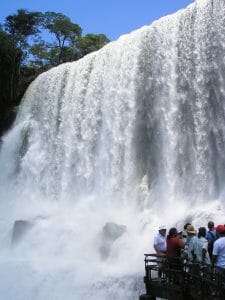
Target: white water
133	134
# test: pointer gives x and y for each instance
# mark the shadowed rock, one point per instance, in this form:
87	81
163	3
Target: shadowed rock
20	228
110	233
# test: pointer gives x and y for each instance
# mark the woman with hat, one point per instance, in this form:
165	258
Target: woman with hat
191	232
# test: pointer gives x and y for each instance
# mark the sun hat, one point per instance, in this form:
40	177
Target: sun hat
190	229
162	227
220	228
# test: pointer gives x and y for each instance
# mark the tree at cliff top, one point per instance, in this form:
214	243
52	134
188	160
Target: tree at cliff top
24	54
13	51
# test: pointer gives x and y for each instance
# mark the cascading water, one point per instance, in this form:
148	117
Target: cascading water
105	149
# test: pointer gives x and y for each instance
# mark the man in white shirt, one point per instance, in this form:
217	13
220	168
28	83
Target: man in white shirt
218	258
160	241
160	247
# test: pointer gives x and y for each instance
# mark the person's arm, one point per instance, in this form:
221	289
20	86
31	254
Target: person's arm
193	256
156	246
214	258
181	244
207	237
158	251
215	254
204	251
191	251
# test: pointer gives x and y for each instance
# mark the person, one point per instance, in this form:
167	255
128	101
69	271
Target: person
199	249
211	237
218	255
191	232
193	268
160	241
174	251
160	248
185	235
174	244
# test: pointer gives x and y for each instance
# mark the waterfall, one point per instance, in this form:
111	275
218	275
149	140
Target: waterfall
105	149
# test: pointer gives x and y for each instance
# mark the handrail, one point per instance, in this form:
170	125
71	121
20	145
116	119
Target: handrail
175	275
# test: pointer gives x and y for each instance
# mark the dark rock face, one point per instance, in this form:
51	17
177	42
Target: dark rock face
20	228
110	233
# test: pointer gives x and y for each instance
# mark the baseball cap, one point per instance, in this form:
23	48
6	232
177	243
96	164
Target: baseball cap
220	228
162	227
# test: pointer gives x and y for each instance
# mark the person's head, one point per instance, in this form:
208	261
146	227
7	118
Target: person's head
220	230
186	225
162	230
190	230
172	232
210	225
201	232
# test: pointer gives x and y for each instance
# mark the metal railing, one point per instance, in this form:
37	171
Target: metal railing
176	278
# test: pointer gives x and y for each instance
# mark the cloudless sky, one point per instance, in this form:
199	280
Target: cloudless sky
111	17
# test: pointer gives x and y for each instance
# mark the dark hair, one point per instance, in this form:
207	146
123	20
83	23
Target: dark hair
172	233
210	224
186	225
201	232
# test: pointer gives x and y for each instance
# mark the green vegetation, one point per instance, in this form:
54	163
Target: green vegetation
24	53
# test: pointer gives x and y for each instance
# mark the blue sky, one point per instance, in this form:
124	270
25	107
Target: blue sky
111	17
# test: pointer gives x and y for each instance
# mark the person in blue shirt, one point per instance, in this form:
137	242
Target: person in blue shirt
219	254
211	237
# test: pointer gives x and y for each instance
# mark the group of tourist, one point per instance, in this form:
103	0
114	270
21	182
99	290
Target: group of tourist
205	247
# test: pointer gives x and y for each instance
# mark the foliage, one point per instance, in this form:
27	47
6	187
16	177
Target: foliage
40	54
22	25
24	53
62	27
91	42
65	32
10	59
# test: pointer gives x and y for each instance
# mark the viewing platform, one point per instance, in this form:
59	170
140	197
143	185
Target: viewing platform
175	279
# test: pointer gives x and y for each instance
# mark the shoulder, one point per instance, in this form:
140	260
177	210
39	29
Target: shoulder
173	240
180	243
204	242
219	241
216	242
176	240
156	237
191	242
195	239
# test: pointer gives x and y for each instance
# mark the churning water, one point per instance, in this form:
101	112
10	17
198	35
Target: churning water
105	149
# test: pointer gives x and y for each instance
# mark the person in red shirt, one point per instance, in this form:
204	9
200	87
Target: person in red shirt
174	244
174	251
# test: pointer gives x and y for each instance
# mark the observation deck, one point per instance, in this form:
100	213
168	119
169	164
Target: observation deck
175	279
